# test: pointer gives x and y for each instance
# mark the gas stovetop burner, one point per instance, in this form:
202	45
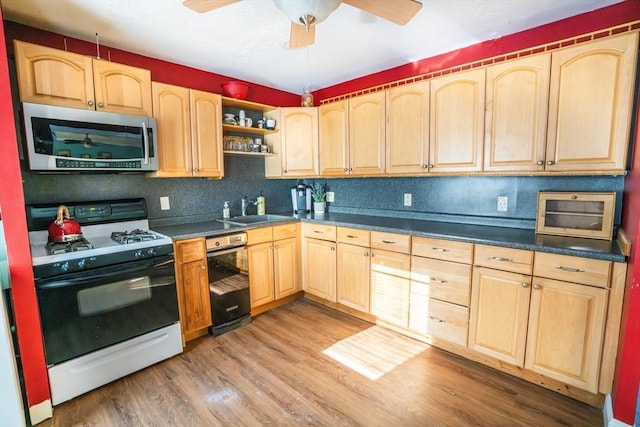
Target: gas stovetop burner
81	244
133	236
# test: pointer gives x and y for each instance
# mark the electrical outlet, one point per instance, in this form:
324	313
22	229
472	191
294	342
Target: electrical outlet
330	196
503	203
407	199
164	203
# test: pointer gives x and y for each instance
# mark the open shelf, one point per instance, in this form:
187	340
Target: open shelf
247	153
246	105
245	129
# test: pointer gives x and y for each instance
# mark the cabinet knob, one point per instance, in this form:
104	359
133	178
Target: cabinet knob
90	103
525	285
100	104
350	169
202	267
430	166
549	162
537	287
275	246
425	166
196	170
540	163
332	248
346	169
366	254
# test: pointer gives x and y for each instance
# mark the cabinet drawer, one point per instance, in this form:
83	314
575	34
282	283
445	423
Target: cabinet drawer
448	322
391	242
507	259
586	271
190	250
285	231
354	236
448	281
259	235
319	231
446	250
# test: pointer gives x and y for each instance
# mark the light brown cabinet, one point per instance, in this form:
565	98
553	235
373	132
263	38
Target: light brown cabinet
189	132
353	268
319	260
296	144
274	263
193	287
590	105
334	138
56	77
367	129
457	122
407	148
517	96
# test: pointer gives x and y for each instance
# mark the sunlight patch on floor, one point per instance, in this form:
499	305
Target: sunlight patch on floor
374	351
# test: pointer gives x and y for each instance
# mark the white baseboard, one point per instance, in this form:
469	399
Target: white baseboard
40	412
607	413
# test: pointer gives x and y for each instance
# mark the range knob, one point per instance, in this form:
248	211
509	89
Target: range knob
64	266
81	264
151	251
137	254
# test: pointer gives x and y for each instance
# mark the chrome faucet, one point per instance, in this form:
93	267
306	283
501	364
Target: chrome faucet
245	204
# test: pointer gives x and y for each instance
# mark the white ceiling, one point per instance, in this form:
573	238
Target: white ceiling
247	40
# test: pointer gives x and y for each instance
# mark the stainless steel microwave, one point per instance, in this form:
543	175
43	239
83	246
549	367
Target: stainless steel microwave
74	140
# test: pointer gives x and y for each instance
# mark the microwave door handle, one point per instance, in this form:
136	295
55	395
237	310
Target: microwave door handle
145	136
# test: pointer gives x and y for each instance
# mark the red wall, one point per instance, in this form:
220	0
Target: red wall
11	198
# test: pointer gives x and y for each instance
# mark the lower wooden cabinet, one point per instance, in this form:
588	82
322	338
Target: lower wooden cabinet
390	286
566	331
261	274
320	268
353	272
193	286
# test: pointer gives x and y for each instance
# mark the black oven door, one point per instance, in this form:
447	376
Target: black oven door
89	310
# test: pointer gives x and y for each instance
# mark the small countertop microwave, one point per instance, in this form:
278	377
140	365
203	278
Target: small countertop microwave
61	139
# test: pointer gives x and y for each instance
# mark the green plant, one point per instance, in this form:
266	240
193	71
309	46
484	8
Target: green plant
318	192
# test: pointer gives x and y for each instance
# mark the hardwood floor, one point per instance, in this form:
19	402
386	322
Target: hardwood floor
290	366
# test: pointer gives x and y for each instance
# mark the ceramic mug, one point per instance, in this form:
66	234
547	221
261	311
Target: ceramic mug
271	124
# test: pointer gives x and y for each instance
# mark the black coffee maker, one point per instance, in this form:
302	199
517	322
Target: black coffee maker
301	198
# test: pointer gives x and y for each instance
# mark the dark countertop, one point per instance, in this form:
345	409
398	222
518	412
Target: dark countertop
516	238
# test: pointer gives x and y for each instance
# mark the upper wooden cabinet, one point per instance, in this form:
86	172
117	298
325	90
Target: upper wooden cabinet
457	122
299	141
517	97
408	129
367	120
334	139
56	77
189	132
590	104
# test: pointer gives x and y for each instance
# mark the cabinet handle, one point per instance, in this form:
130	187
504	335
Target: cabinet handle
332	248
499	258
346	169
436	319
276	247
90	103
202	267
537	287
350	169
318	232
425	166
389	242
196	170
366	254
569	269
430	166
549	162
435	279
351	236
540	163
439	249
100	104
525	285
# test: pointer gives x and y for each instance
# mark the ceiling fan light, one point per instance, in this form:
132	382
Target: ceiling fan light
299	10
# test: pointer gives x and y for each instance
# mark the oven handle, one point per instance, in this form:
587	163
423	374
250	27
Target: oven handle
212	254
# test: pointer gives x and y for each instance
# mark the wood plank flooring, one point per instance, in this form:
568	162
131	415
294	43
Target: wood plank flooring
305	364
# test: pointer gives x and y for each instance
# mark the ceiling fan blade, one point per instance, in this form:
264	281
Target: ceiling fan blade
300	37
202	6
399	11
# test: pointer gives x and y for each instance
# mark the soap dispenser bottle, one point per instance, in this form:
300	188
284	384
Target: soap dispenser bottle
226	213
260	202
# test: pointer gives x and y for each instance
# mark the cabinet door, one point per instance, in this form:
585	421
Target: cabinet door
193	286
566	328
171	110
54	77
516	114
353	284
334	139
457	122
408	129
299	133
499	313
320	268
367	134
261	277
122	88
390	286
206	134
286	267
590	104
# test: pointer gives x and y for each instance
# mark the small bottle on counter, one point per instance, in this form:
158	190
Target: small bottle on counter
260	202
226	212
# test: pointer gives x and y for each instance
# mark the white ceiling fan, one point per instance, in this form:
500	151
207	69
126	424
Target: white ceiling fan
306	14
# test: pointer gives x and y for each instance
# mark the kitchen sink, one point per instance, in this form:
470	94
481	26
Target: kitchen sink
255	219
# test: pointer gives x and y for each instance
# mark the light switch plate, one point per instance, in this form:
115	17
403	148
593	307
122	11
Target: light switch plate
407	199
164	203
330	196
503	203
